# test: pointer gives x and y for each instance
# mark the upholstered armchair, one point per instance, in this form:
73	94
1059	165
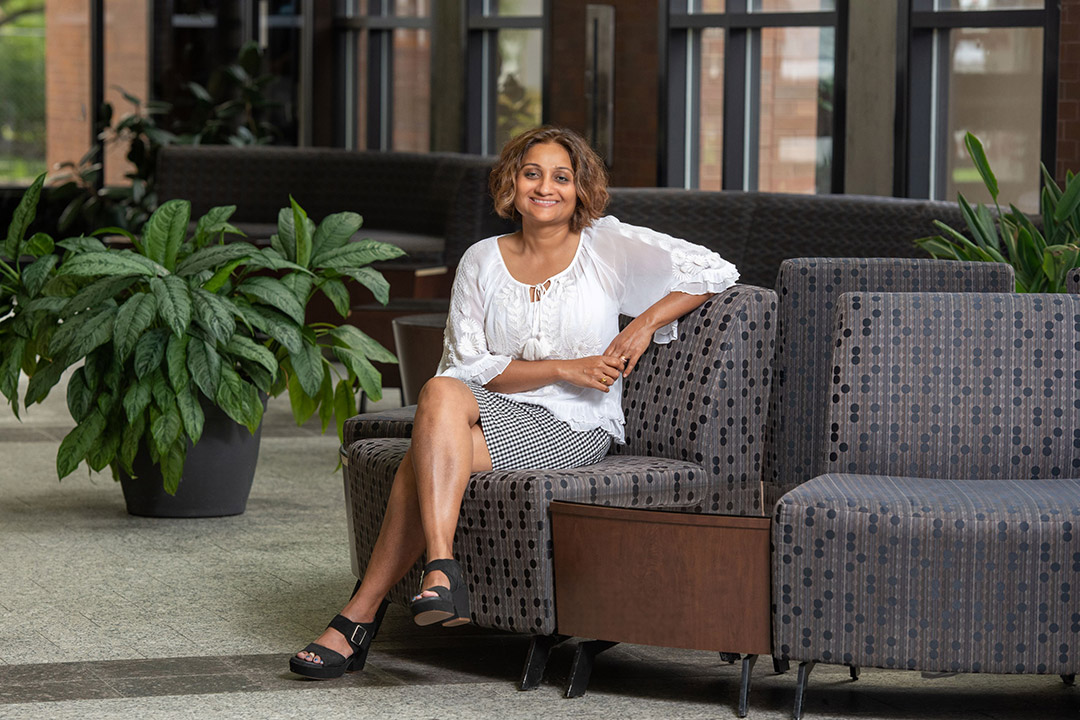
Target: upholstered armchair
941	533
695	412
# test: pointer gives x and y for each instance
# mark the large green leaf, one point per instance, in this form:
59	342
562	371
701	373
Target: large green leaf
334	232
80	398
160	391
204	363
271	259
24	215
137	398
239	399
37	273
129	443
286	234
303	230
82	244
348	336
38	245
97	292
165	230
214	222
335	290
191	413
222	275
176	361
216	312
274	293
370	378
344	406
135	316
172	466
82	333
10	368
303	405
1070	201
244	347
77	444
174	303
213	257
166	428
120	262
45	378
103	452
373	280
308	366
150	351
300	284
358	254
978	156
276	325
326	401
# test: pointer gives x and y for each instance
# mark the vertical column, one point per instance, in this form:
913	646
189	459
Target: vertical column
871	98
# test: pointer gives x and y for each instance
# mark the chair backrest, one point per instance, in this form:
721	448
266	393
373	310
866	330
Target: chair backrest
808	290
703	397
1072	282
955	385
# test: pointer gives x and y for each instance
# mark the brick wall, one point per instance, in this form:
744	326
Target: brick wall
1068	122
636	136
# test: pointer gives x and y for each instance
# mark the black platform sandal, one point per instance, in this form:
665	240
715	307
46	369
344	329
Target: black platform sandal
334	664
451	607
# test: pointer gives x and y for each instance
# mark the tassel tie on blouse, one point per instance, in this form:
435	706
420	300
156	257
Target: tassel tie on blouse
536	347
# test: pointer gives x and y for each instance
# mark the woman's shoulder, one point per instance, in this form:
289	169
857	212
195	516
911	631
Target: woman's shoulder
482	251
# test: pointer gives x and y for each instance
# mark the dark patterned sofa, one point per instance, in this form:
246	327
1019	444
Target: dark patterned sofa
432	205
695	413
942	533
757	230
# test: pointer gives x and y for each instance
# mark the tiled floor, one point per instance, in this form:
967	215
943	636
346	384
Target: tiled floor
107	615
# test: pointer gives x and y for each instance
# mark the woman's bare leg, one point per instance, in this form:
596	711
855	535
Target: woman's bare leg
403	535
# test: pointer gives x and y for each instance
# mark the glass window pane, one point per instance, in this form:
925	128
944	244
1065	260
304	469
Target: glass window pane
412	90
795	131
519	8
361	83
793	5
989	4
67	83
707	6
995	79
127	65
411	8
711	122
518	86
22	95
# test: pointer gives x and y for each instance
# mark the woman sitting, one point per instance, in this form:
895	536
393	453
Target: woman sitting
531	368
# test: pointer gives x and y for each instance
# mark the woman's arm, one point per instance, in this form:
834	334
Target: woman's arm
598	372
635	338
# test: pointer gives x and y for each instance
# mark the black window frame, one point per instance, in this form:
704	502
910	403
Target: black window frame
680	90
918	114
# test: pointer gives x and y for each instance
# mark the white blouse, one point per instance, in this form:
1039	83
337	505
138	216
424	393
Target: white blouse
617	269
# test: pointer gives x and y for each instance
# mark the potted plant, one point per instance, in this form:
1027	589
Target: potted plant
1042	258
179	332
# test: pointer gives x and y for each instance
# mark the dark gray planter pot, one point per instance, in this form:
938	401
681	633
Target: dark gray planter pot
217	475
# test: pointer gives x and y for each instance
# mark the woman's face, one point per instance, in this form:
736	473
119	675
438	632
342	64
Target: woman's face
544	189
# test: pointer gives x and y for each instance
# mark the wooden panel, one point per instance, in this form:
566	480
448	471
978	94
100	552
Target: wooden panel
660	578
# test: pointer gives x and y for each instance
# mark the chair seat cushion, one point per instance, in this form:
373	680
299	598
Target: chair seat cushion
929	574
396	423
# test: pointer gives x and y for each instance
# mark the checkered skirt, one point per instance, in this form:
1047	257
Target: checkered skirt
521	436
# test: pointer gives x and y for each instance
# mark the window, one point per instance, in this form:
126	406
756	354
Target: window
980	66
387	56
22	92
506	71
755	95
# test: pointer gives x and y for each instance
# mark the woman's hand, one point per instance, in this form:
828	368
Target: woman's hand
598	372
630	344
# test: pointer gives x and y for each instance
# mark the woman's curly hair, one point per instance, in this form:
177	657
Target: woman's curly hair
590	175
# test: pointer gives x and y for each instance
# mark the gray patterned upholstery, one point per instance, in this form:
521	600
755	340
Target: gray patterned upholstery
942	535
808	289
1072	282
695	416
396	423
758	230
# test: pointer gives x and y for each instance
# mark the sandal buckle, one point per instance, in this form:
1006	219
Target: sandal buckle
363	635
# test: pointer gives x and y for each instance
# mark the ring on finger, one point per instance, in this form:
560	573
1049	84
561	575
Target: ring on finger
605	380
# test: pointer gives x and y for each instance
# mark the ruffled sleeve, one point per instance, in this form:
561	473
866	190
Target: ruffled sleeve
465	349
650	264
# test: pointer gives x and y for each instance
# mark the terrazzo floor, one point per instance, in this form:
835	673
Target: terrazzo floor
107	615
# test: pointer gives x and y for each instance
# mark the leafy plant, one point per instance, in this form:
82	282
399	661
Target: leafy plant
1042	258
178	319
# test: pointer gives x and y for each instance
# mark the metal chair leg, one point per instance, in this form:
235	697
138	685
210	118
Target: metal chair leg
729	658
581	669
854	670
536	660
800	687
1069	679
744	684
779	665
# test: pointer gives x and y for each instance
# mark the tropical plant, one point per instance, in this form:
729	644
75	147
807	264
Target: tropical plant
1042	258
178	319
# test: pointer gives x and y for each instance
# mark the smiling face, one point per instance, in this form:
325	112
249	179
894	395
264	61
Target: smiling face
544	189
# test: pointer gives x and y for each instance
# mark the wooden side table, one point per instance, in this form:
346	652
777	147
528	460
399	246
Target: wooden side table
652	577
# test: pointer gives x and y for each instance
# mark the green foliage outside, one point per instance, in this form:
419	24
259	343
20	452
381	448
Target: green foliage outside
22	90
180	318
1041	257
